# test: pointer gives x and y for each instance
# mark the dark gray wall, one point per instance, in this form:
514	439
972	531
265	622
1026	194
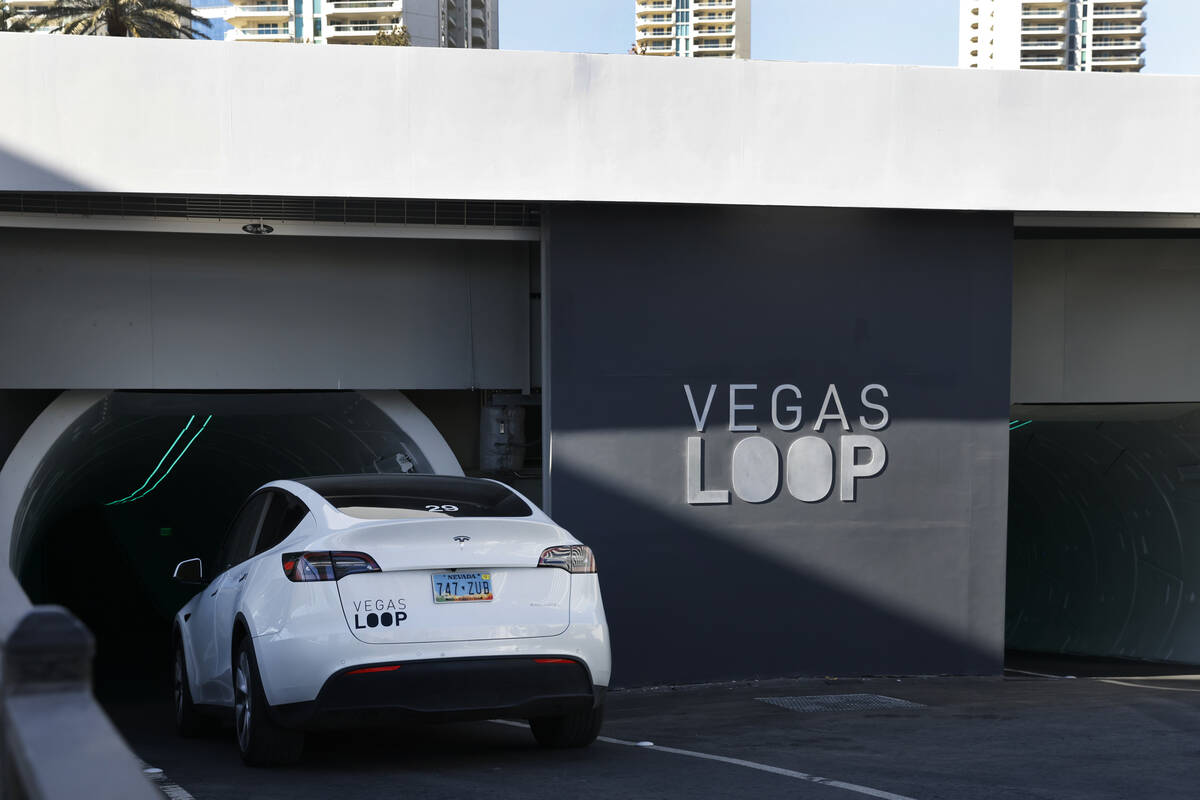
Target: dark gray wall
908	577
18	409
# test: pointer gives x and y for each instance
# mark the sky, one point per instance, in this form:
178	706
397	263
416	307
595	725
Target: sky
921	32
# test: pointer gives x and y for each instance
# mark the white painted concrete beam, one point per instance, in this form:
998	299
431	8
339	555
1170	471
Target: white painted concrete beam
100	114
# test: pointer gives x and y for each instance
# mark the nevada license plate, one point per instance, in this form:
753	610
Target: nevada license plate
462	587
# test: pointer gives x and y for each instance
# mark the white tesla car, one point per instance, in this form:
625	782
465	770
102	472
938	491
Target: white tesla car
364	600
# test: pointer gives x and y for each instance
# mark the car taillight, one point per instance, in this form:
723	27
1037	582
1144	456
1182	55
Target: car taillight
575	558
326	566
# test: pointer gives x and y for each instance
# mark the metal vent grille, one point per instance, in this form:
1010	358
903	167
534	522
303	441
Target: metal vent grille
838	702
299	209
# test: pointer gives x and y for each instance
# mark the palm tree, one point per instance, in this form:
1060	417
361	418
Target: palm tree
146	19
12	21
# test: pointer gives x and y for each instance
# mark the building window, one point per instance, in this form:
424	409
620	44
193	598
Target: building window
316	27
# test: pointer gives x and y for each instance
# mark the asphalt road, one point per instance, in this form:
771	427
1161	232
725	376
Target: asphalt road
1022	736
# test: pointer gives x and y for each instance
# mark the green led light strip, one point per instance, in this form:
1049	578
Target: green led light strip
138	493
1016	423
156	466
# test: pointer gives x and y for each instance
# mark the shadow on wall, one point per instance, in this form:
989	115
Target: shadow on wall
728	328
1103	549
19	174
782	612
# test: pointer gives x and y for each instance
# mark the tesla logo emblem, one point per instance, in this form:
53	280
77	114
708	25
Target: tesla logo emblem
462	540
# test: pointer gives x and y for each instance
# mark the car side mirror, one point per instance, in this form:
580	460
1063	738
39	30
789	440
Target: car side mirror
189	572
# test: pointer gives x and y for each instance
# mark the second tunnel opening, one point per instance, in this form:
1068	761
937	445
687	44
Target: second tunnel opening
1104	532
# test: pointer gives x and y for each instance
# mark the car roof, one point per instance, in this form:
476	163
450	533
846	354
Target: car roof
490	498
327	485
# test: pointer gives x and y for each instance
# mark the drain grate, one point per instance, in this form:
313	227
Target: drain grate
838	702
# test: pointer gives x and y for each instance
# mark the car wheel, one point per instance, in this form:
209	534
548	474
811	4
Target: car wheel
568	730
188	721
261	741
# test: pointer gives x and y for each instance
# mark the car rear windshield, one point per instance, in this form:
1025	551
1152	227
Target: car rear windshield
408	496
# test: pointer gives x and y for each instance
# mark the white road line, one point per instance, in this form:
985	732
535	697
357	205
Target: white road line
1143	686
739	762
1040	674
172	790
1151	678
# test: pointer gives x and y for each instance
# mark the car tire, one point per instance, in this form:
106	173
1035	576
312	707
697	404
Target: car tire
189	723
578	729
261	741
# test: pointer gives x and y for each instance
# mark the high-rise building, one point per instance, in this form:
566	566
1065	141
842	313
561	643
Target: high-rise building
430	23
693	28
1078	35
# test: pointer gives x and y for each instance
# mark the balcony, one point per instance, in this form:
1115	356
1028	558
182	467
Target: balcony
712	17
655	5
1100	43
1043	44
712	3
655	19
1123	60
656	33
1042	62
1044	29
1125	30
705	45
261	11
1120	13
266	34
712	30
356	31
1044	13
339	8
659	50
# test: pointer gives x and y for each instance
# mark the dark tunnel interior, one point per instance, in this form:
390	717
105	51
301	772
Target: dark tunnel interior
1104	532
144	480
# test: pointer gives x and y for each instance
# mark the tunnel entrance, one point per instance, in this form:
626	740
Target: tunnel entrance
142	480
1104	531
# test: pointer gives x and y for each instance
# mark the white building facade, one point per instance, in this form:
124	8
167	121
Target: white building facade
1074	35
693	28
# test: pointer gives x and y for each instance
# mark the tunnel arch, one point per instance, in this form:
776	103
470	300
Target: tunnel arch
107	490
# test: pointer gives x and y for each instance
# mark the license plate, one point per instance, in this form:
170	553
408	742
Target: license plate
462	587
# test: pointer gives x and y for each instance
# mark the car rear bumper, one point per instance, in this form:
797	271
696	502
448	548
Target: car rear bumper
446	690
